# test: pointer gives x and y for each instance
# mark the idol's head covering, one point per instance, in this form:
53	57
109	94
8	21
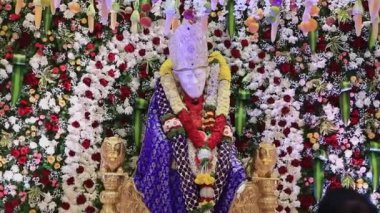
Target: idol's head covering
188	45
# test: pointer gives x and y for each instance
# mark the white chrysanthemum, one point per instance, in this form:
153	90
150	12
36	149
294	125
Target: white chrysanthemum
204	154
207	192
8	175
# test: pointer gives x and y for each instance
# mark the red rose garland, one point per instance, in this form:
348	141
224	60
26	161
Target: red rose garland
196	136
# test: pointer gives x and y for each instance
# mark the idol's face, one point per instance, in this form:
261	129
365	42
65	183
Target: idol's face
192	81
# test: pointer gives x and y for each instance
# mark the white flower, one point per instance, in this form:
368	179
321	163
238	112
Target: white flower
17	177
8	175
348	153
204	154
15	169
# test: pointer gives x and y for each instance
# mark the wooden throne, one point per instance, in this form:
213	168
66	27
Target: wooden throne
120	195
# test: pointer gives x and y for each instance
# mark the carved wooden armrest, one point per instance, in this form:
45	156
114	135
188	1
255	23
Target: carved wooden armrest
130	199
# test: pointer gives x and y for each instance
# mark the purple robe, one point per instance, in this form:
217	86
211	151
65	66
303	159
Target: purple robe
167	188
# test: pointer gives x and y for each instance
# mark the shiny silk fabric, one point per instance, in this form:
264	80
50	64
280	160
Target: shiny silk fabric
163	174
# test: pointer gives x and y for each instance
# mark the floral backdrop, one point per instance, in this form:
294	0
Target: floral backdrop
305	75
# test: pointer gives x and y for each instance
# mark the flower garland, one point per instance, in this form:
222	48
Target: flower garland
199	140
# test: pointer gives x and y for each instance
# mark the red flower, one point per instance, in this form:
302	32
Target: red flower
218	33
65	206
90	46
267	34
235	53
334	183
251	65
31	79
111	57
309	107
10	206
261	70
307	162
282	170
166	51
63	67
143	74
234	68
289	178
270	100
142	52
370	71
287	98
88	183
89	94
227	43
15	153
86	143
346	26
24	150
103	82
80	169
288	191
111	73
209	45
22	160
306	201
99	65
286	68
23	111
54	118
261	55
81	199
286	131
334	67
322	44
24	40
96	157
295	163
244	43
119	37
254	99
67	86
277	80
23	102
359	43
90	209
285	110
332	140
156	41
125	92
277	143
75	124
354	117
123	67
95	124
14	17
146	7
70	181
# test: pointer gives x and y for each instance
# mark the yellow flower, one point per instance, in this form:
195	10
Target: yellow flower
206	179
205	202
51	159
57	166
313	140
309	135
377	114
61	102
32	211
3	161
